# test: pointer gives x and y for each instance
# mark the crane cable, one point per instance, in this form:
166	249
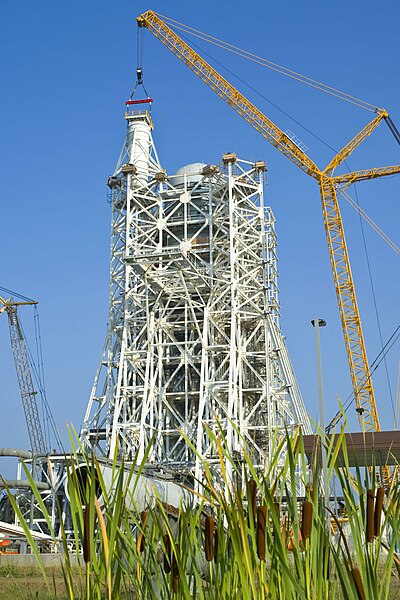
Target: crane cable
40	383
280	69
373	367
321	87
375	305
49	420
12	294
396	421
253	89
362	213
393	129
139	48
271	65
344	194
139	69
283	71
38	371
368	219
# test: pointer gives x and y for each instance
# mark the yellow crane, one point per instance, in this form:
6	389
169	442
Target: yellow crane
328	183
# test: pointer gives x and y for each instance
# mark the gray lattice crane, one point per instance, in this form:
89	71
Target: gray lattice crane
24	375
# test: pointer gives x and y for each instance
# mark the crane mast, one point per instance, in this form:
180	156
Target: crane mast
24	376
328	184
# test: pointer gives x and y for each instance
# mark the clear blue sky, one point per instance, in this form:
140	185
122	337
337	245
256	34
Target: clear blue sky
67	69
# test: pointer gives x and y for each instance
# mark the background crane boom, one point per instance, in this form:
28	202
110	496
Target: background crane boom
24	376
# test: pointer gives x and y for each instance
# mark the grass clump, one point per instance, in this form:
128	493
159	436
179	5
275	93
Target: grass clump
246	534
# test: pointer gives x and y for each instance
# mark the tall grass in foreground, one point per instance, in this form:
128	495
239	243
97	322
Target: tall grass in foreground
250	538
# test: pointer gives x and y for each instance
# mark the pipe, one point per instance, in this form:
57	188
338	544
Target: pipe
15	452
143	493
14	484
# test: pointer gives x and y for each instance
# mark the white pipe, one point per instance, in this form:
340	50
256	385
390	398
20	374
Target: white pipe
15	452
14	484
144	493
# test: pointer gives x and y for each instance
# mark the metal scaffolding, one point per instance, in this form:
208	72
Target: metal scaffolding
193	347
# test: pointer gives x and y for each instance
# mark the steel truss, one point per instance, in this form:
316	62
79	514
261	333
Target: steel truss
194	343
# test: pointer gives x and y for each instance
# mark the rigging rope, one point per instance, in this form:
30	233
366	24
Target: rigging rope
345	195
375	302
321	87
368	219
271	65
38	370
40	365
139	70
42	391
373	367
253	89
139	47
396	422
12	294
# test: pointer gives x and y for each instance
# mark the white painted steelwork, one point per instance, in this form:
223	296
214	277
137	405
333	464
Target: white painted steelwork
193	342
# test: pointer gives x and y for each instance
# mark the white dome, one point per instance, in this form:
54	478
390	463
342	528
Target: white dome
192	172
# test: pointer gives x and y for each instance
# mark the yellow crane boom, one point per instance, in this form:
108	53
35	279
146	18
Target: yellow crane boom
227	92
328	183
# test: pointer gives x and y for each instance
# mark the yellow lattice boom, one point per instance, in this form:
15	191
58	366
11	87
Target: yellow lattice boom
328	184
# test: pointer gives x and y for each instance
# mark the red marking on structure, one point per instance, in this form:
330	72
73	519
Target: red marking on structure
147	101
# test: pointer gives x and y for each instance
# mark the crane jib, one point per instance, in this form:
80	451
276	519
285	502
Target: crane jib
344	285
228	92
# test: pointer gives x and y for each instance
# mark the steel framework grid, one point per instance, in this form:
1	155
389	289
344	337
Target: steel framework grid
193	340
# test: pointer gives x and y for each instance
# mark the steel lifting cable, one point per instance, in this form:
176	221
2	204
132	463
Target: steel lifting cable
45	403
40	375
271	65
362	213
375	303
40	369
283	71
34	370
38	372
38	339
303	79
368	219
139	47
373	367
12	294
139	70
212	58
396	422
392	340
393	129
322	87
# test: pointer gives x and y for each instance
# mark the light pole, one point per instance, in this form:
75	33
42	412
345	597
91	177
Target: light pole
317	323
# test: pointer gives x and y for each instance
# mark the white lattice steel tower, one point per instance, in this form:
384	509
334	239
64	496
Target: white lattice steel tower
193	338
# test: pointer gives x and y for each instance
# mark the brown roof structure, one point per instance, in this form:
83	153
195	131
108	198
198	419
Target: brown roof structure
378	448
